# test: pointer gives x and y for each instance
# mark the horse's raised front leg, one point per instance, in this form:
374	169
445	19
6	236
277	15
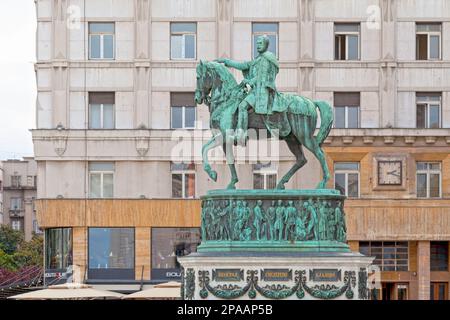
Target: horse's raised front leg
215	141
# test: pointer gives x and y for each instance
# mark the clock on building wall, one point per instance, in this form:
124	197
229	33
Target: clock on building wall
390	173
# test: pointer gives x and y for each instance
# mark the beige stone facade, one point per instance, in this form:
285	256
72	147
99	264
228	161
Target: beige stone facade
19	194
386	73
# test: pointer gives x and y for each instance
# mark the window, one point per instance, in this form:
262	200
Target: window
16	224
346	178
439	291
31	181
58	248
264	176
101	110
346	41
183	40
167	245
101	40
389	256
268	29
111	253
15	181
36	228
428	113
439	256
101	179
428	41
16	203
346	109
428	179
183	180
182	110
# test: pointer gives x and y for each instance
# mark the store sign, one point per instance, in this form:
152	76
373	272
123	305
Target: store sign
331	275
228	275
166	274
276	275
55	275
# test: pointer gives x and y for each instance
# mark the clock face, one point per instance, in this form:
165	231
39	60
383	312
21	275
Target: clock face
389	173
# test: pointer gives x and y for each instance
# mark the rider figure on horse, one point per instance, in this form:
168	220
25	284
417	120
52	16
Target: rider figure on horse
260	75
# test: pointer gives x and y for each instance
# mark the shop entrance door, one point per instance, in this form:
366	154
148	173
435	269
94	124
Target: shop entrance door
394	291
439	291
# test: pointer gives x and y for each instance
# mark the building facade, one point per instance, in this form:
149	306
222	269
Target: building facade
1	193
19	195
115	95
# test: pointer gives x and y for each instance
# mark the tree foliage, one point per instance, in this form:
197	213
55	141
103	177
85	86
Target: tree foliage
10	239
16	253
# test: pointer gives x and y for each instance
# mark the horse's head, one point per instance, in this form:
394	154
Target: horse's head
211	75
204	82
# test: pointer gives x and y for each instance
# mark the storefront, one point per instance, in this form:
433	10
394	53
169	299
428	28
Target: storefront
167	245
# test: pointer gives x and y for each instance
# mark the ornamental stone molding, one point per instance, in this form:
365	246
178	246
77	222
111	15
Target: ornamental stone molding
142	142
60	141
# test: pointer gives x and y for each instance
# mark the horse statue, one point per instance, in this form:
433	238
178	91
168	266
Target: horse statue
218	89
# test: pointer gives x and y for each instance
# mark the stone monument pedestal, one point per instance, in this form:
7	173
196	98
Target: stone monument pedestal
290	276
274	244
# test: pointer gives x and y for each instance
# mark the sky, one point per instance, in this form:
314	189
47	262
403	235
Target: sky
17	77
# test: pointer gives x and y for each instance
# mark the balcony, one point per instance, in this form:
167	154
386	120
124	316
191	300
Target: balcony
16	213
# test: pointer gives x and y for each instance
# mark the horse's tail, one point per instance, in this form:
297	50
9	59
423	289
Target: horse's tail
326	120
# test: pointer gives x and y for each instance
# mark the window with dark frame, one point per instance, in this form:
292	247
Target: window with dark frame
346	178
17	224
183	180
264	176
439	291
428	111
346	41
15	181
101	110
58	248
389	255
439	255
428	41
183	110
346	109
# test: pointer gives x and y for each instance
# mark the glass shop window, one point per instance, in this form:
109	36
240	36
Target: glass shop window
111	253
167	245
58	248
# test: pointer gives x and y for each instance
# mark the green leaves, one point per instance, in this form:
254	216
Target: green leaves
16	253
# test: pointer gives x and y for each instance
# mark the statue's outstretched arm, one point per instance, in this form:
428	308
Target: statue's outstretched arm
245	65
237	65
